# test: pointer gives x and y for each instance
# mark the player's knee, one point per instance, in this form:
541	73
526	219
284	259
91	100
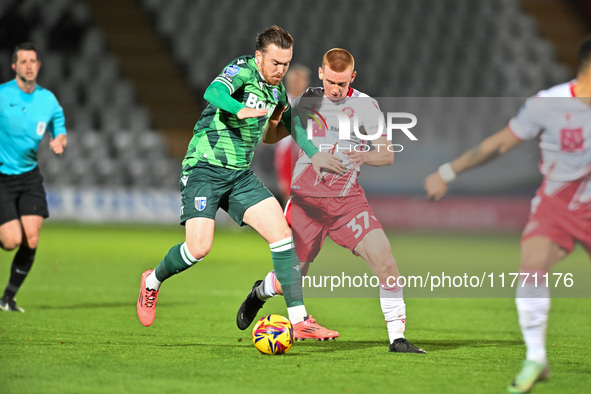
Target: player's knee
11	243
197	250
32	241
536	261
285	233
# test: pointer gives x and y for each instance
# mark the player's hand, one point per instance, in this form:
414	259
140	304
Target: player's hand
251	113
356	158
435	187
276	115
57	145
323	161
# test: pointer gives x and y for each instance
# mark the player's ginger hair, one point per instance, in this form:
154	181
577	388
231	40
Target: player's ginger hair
338	60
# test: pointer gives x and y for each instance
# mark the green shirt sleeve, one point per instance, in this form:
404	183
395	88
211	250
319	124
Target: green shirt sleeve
298	133
218	95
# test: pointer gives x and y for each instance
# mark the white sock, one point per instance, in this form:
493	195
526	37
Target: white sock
152	282
533	305
297	313
267	287
394	309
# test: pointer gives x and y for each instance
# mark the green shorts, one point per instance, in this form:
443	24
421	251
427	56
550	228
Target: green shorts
206	188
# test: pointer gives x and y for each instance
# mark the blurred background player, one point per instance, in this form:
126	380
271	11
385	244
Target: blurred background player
27	111
297	81
561	210
335	204
216	171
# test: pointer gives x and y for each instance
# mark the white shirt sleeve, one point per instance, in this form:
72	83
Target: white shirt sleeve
527	125
373	119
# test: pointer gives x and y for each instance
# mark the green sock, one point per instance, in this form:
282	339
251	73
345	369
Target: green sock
176	260
287	270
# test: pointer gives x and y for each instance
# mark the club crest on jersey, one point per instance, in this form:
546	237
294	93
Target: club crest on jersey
232	70
275	95
200	203
349	111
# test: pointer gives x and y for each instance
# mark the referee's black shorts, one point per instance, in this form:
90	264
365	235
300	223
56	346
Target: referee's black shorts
22	195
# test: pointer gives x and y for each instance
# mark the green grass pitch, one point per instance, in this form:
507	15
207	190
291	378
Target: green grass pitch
80	332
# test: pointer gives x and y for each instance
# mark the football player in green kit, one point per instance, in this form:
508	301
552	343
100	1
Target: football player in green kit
244	98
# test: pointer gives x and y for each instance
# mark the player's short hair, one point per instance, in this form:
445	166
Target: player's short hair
338	60
274	35
25	46
584	57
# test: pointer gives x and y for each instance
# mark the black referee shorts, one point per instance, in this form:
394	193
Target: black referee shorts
22	195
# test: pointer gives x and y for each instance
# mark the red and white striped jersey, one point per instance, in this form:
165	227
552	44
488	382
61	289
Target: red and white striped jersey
323	115
562	123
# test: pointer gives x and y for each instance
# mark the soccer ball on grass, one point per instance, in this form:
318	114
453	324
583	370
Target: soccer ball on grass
273	334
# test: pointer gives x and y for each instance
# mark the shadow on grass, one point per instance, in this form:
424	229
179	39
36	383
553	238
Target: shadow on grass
89	305
86	306
451	344
301	347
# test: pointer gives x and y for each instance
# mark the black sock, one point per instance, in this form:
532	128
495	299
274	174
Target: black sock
21	265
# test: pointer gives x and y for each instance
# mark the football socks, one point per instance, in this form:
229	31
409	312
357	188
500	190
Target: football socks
176	260
533	305
21	265
267	288
287	269
394	309
297	314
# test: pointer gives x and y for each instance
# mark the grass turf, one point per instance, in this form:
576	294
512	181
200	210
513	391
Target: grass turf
80	332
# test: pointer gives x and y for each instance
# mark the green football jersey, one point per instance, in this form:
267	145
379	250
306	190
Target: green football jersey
219	137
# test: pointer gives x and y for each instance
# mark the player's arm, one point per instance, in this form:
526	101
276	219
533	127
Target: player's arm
377	157
57	130
275	129
321	161
494	146
218	95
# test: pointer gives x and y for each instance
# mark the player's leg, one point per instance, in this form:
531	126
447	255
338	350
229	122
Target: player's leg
11	234
25	237
11	231
304	326
538	255
30	201
310	227
200	198
376	250
266	218
198	241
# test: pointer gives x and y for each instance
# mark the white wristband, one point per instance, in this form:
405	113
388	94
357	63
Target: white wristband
447	173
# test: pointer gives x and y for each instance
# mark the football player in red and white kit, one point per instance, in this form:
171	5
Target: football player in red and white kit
296	82
560	216
336	205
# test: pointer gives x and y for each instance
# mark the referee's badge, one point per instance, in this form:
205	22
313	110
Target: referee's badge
41	127
275	95
200	203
